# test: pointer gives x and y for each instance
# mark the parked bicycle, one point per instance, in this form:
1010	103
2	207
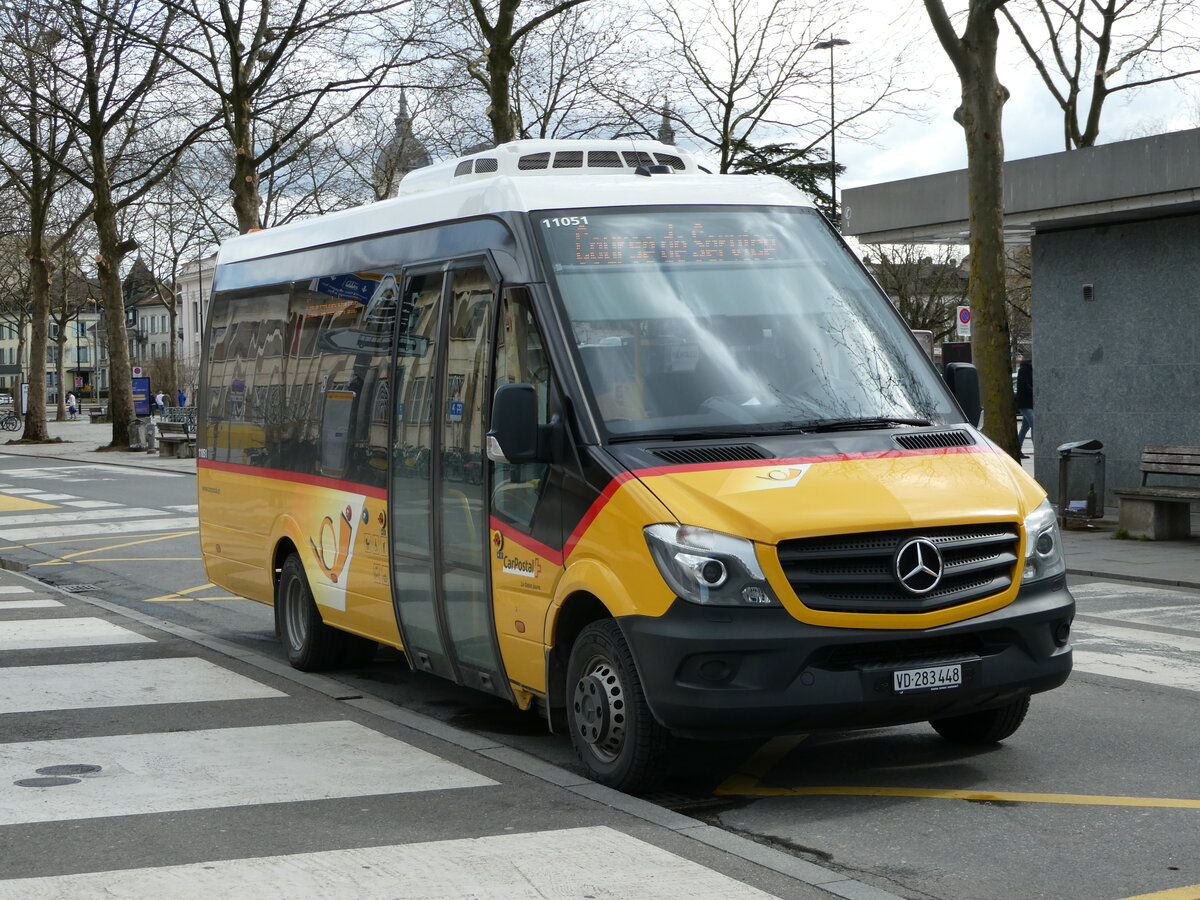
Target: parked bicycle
10	421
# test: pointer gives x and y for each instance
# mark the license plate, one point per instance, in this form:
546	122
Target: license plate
929	678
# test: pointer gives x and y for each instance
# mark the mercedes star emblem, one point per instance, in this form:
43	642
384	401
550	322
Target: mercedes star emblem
918	566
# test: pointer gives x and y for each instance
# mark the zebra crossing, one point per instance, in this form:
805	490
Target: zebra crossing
32	511
184	777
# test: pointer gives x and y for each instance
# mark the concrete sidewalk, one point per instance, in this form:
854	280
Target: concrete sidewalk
1091	552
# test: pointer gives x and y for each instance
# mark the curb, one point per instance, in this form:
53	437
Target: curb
751	851
1138	579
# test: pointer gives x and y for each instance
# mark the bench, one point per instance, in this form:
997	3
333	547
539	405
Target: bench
176	439
98	414
1161	512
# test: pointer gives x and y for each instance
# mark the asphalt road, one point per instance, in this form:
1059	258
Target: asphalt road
1097	796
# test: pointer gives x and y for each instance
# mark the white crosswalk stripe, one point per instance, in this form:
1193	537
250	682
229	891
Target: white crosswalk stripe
41	634
44	518
595	862
219	767
84	472
131	682
71	780
100	526
1107	639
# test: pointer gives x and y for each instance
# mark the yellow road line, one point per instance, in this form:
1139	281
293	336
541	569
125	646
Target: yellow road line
182	595
744	785
63	560
759	763
1183	893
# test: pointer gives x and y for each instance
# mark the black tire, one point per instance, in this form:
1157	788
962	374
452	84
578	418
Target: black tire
611	726
988	726
311	645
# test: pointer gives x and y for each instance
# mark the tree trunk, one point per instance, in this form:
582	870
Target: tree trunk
60	369
983	98
980	114
120	386
39	290
247	202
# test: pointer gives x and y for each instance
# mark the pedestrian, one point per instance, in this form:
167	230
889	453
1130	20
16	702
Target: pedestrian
72	408
160	403
1025	400
182	398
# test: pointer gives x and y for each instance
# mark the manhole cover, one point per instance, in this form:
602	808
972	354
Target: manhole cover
76	588
70	769
45	782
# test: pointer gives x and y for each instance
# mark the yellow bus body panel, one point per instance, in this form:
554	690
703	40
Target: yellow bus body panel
339	532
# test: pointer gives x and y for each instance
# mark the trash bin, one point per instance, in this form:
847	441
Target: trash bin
1081	480
142	433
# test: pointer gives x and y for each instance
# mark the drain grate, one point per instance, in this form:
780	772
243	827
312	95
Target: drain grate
76	588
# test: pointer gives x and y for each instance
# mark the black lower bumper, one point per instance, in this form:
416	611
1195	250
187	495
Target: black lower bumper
732	672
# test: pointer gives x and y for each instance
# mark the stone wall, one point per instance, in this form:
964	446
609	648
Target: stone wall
1124	367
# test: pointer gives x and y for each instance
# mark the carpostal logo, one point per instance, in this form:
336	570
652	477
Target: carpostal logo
511	565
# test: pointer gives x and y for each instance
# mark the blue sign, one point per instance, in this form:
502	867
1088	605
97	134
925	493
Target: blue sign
456	410
346	287
141	396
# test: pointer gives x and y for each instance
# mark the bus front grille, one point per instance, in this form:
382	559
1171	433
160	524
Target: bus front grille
862	572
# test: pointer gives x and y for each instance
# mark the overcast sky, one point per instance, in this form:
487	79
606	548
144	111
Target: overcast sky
1032	120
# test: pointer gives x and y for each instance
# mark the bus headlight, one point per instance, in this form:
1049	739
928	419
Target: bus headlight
709	567
1043	545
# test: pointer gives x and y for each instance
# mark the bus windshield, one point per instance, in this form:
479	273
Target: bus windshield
719	320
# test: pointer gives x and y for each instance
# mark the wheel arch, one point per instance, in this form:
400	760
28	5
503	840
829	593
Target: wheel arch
578	610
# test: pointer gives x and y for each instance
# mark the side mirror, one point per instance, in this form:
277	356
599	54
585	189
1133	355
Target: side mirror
963	381
516	436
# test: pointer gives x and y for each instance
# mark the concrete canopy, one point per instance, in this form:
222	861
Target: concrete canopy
1151	177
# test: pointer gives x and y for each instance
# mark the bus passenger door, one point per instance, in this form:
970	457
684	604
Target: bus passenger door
410	515
462	503
438	506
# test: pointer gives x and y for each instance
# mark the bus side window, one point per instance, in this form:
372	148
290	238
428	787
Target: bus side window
520	359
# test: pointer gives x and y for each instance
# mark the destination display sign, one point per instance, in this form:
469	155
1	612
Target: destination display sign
587	239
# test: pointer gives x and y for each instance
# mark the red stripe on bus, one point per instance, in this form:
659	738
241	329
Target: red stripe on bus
523	540
350	487
594	510
611	488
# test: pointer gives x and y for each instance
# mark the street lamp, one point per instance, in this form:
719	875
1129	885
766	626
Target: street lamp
829	44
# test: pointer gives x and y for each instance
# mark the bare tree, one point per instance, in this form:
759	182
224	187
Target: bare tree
71	294
980	113
40	136
925	283
567	71
1089	50
746	80
499	25
283	75
130	113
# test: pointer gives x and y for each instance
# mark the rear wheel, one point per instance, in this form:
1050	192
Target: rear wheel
611	726
988	726
311	645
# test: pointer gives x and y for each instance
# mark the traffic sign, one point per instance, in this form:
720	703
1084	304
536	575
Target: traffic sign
963	321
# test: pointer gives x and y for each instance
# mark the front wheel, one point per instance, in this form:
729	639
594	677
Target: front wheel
614	733
988	726
311	645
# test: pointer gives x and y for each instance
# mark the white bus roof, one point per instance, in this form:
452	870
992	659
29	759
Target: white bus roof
524	176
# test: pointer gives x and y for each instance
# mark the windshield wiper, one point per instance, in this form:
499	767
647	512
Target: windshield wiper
864	423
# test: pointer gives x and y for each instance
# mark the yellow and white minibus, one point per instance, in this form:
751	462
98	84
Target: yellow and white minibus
585	427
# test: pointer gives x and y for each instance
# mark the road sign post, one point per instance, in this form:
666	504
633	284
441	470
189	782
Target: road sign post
963	321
